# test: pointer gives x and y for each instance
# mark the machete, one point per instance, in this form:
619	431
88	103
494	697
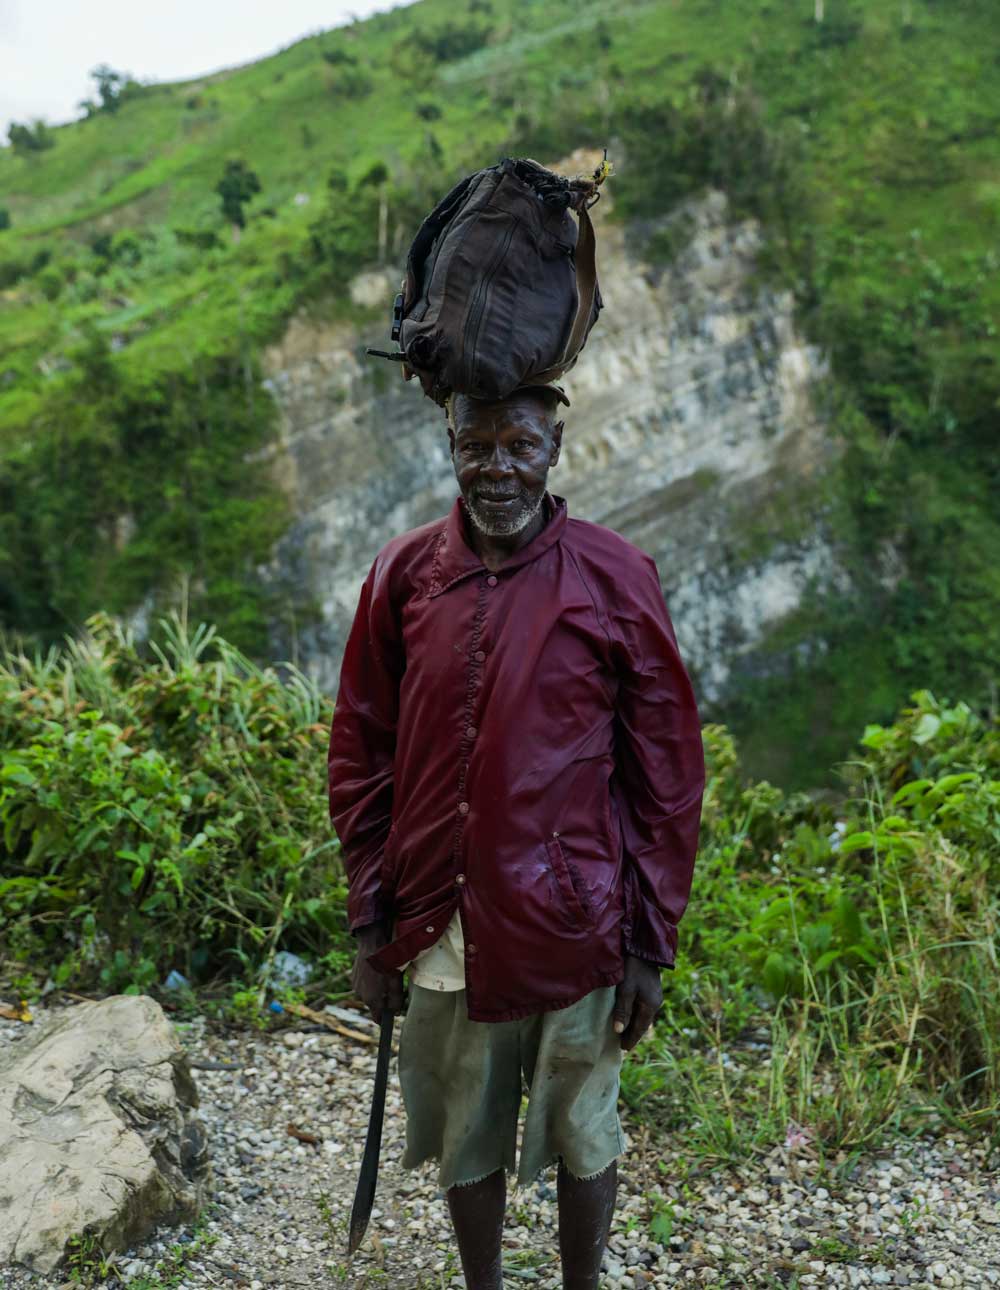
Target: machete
364	1197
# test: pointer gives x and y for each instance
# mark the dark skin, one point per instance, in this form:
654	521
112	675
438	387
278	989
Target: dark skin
502	453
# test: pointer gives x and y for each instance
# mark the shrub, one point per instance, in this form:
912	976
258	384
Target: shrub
351	83
237	187
162	812
51	282
858	937
339	57
203	239
26	140
203	505
11	272
715	137
451	40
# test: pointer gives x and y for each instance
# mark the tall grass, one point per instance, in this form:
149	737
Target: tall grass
841	960
162	812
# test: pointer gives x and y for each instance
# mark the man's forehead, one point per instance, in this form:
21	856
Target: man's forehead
522	410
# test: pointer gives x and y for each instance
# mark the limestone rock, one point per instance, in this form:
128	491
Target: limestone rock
98	1132
692	432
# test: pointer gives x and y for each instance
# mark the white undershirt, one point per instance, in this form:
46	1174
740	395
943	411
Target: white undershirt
442	965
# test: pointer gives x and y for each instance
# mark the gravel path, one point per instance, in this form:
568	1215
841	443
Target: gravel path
925	1215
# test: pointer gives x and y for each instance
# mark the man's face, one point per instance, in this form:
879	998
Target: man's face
503	452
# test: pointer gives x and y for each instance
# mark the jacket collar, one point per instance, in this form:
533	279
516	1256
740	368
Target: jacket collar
454	558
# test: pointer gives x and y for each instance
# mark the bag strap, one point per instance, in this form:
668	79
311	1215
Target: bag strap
586	285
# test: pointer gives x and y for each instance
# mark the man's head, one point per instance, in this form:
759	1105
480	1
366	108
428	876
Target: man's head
502	452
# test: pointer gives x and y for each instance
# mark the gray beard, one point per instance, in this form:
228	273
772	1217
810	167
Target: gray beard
500	525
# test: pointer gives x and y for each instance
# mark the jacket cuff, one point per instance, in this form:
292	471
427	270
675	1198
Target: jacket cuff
647	933
364	910
363	927
637	951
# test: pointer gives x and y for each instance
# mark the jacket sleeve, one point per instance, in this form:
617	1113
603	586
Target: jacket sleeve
660	768
363	745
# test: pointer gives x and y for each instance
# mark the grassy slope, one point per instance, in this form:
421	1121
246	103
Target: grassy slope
897	153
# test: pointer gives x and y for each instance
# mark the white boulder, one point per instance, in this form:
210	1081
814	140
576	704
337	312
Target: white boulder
98	1132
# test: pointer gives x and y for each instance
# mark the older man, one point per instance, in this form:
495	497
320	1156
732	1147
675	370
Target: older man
516	775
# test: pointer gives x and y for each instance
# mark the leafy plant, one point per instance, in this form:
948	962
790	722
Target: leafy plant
237	187
163	814
852	940
25	140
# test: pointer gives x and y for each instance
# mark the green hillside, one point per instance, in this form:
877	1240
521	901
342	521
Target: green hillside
132	320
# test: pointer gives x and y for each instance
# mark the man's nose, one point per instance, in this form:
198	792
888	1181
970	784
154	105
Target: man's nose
498	463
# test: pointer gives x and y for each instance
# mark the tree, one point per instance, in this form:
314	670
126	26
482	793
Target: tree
819	11
109	87
4	218
238	186
451	40
27	139
377	177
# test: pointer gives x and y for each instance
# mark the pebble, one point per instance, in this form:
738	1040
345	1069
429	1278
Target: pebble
924	1213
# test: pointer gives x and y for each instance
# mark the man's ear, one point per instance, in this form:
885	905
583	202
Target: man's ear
451	440
557	430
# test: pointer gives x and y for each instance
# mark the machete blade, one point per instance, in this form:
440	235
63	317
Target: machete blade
364	1197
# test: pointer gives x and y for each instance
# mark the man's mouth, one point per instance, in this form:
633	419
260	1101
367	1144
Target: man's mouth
496	500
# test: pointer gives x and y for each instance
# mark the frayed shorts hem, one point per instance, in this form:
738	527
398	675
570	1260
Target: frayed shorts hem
513	1173
446	1184
560	1159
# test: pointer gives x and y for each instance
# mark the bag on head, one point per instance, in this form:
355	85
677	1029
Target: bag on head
501	283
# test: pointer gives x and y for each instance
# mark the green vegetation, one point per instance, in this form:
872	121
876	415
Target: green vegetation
113	89
867	145
26	139
164	814
89	1266
168	812
238	186
834	984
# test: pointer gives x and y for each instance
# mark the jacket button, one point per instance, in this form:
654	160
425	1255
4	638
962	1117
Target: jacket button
480	656
471	732
428	929
460	880
471	949
463	808
492	580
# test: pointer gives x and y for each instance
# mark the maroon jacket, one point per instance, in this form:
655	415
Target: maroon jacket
524	746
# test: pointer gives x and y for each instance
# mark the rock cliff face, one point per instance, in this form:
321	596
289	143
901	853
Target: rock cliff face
691	432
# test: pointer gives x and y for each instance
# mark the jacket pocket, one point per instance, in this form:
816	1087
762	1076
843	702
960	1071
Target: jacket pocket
572	888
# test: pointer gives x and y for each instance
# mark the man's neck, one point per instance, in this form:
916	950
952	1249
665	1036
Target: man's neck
493	551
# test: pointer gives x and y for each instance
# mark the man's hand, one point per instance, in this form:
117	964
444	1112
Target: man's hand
376	990
637	1000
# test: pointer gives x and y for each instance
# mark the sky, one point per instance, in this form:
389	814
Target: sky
47	47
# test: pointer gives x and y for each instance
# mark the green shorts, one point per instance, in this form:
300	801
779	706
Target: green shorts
462	1084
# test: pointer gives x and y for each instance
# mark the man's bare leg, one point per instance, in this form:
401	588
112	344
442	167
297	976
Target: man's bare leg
477	1217
585	1210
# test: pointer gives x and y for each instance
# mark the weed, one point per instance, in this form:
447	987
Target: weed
175	1266
832	1250
87	1263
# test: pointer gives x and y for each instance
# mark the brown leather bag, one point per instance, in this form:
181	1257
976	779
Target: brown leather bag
501	283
